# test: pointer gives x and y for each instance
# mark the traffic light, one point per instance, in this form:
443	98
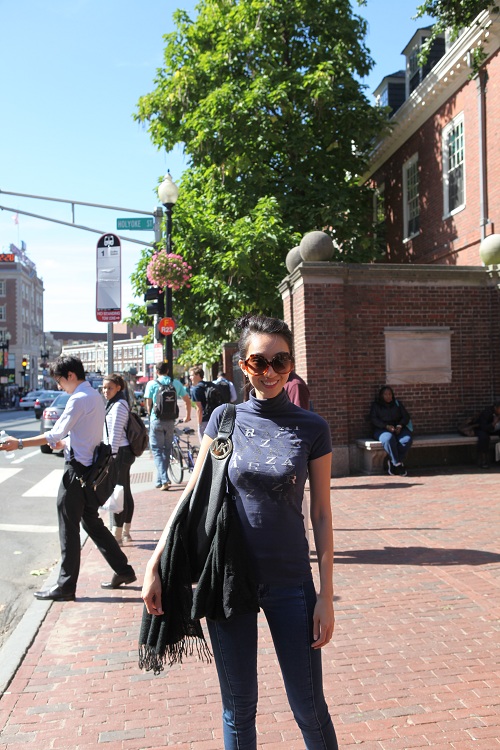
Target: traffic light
24	363
156	299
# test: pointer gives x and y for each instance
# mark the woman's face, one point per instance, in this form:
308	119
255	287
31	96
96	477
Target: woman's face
110	389
268	346
387	395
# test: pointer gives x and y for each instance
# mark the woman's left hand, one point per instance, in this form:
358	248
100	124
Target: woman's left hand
323	622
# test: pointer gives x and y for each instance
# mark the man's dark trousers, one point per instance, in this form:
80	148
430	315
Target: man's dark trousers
75	504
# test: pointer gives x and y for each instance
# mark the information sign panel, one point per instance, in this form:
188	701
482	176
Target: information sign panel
108	279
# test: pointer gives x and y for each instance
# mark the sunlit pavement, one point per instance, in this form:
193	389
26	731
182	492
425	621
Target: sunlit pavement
414	662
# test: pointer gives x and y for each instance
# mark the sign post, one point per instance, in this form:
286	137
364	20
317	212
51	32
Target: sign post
108	286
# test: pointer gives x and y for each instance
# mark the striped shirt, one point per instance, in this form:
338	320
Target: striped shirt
117	421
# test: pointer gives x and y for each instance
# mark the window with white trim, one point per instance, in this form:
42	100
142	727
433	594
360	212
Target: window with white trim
454	165
3	312
411	202
3	288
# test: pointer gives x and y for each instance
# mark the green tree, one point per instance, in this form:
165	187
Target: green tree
453	15
265	97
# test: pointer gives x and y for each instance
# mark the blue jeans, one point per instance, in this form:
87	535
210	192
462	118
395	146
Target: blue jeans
161	433
396	446
289	613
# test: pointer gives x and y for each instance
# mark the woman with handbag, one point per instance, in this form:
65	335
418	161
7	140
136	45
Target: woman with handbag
115	391
277	446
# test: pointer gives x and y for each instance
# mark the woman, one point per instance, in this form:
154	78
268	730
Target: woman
390	422
276	446
114	389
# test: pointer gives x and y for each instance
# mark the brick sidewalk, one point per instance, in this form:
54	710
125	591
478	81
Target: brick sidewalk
414	662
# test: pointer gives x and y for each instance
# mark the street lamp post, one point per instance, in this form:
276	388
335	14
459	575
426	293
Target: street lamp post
168	193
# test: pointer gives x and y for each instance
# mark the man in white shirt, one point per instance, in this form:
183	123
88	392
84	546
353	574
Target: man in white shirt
78	431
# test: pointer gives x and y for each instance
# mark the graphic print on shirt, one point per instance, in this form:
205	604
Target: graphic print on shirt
264	466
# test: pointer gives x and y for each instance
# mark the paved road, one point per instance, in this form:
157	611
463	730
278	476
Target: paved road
28	523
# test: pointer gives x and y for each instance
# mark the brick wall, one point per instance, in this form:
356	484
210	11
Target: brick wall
339	315
455	239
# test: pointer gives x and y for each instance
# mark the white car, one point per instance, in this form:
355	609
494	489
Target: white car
28	401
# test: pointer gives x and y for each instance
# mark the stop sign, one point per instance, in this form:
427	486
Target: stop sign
166	326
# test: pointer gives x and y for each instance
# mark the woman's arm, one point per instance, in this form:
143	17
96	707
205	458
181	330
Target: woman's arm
376	418
151	588
321	518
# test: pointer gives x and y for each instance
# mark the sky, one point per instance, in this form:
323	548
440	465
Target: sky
71	74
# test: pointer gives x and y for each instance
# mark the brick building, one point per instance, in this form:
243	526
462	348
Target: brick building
427	320
436	172
21	319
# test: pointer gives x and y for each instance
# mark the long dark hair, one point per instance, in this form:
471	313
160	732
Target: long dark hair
250	324
384	388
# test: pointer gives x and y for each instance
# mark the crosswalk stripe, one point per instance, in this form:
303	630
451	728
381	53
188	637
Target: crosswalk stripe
46	487
25	456
7	473
28	529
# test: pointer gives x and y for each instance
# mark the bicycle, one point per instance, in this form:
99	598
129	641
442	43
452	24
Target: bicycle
183	455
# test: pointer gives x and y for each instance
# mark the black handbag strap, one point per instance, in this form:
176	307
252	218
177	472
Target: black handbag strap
226	426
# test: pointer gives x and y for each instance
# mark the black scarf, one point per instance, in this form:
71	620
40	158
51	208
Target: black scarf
226	587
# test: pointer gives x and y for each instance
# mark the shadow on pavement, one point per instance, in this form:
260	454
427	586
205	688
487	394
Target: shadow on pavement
417	556
385	486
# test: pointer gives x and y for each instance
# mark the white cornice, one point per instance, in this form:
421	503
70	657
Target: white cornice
445	78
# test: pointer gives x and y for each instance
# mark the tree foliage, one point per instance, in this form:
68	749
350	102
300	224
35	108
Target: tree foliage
265	97
453	16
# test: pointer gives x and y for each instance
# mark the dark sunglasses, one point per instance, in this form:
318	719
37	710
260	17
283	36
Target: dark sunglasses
281	363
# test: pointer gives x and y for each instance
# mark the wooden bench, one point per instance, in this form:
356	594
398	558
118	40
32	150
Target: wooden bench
369	455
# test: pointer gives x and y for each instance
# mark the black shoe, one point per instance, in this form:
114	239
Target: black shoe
391	469
117	580
396	471
402	472
55	594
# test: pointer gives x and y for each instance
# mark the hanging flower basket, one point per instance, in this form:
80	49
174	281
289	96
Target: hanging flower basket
168	270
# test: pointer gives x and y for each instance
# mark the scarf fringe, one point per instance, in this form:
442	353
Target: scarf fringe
151	660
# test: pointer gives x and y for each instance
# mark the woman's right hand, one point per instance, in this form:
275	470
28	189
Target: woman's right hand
151	590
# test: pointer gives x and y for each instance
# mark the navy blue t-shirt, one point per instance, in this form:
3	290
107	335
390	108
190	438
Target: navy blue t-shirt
273	442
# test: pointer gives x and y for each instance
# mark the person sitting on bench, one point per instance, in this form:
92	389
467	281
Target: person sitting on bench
390	423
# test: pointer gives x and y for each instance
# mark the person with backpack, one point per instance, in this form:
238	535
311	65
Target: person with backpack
117	417
161	404
232	396
207	396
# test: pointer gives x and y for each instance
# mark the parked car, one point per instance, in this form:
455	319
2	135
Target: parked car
51	414
28	401
44	399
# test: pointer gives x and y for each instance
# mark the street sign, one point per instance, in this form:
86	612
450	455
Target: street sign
166	326
141	224
158	353
108	279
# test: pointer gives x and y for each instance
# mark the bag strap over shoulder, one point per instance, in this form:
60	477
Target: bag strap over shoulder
226	426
